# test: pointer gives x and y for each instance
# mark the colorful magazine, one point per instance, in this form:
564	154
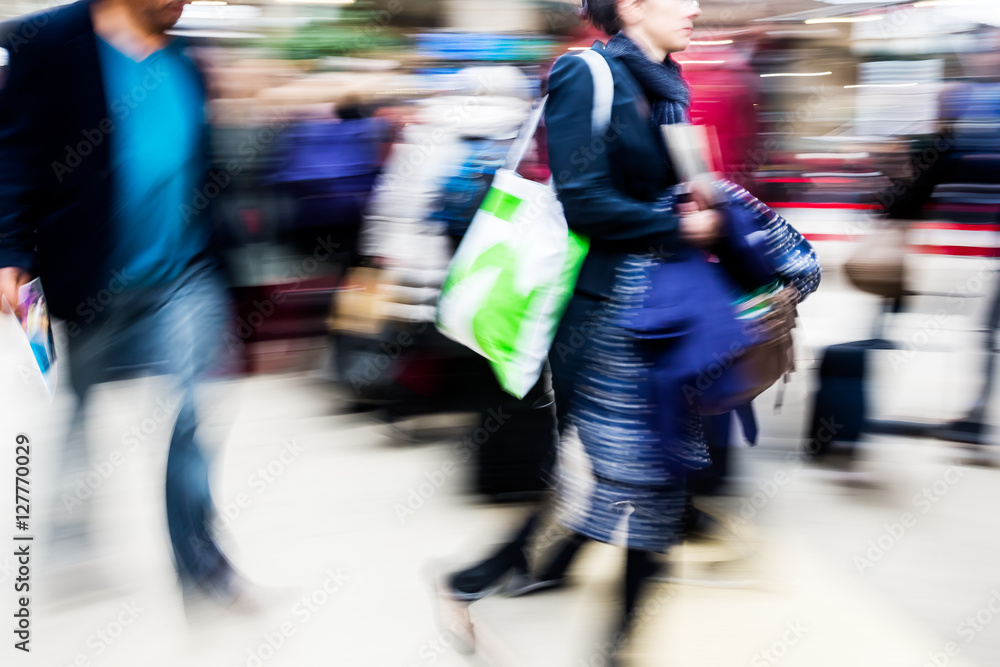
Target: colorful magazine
37	326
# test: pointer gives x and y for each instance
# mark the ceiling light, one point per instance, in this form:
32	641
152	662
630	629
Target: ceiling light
847	19
832	156
951	3
766	76
882	85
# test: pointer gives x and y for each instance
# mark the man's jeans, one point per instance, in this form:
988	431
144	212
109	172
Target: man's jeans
174	330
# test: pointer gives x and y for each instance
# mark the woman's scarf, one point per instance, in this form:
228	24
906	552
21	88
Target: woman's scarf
666	90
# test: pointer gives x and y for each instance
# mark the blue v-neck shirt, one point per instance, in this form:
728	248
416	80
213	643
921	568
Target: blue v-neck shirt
157	110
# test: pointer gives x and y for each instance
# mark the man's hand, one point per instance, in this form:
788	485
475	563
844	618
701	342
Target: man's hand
11	278
700	228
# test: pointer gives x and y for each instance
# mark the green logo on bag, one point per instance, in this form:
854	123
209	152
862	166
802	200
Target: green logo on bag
501	204
496	296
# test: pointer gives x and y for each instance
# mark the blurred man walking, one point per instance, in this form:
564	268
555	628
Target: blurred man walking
102	151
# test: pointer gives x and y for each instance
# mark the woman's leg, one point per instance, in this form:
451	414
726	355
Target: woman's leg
551	571
565	359
639	567
560	562
480	579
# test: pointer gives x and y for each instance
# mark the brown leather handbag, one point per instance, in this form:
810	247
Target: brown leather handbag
768	361
769	358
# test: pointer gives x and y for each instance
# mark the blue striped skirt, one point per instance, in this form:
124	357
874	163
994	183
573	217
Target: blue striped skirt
618	481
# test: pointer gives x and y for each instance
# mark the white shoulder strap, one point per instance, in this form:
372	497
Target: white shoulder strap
604	89
604	97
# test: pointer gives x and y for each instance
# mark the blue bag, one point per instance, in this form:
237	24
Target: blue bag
708	350
693	336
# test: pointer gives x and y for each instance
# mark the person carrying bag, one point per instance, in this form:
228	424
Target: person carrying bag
513	274
620	191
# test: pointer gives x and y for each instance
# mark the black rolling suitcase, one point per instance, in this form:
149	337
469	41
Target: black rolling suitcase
840	406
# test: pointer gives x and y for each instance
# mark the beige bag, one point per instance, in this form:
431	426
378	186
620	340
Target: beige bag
359	307
878	265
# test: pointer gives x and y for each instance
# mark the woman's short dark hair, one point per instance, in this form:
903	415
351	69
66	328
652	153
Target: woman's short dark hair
603	14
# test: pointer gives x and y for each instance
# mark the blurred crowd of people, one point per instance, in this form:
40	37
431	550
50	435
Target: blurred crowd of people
244	191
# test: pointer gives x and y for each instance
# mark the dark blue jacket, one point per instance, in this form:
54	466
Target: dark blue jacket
614	188
56	193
